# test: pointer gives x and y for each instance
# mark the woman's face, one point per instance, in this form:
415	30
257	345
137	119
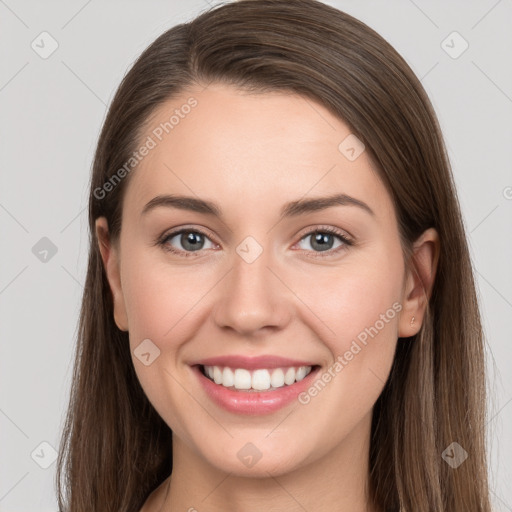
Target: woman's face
251	282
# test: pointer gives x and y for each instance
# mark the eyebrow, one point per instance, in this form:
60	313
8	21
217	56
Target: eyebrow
291	209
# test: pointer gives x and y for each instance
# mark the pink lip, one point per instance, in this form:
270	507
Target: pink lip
252	363
253	402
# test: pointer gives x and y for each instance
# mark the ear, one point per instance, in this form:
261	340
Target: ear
110	256
419	282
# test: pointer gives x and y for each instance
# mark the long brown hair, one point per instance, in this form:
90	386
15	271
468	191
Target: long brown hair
115	448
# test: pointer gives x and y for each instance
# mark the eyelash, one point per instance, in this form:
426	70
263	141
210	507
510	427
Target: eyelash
347	242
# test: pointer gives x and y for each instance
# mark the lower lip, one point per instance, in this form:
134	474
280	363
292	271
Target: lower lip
253	402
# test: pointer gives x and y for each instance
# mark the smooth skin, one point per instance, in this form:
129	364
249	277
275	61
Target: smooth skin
251	154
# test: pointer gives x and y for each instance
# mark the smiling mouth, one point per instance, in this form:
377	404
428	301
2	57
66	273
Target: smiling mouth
263	379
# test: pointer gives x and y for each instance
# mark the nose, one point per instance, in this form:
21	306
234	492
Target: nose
252	298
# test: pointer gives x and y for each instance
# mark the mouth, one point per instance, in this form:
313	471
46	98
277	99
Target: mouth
257	380
255	390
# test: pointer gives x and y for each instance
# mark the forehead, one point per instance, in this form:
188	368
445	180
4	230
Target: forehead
253	150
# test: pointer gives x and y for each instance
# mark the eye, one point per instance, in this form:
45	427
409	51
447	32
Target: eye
322	240
191	240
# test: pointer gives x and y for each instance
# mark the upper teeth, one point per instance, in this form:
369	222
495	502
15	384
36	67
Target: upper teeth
259	380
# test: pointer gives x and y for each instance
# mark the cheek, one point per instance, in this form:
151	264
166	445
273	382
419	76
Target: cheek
358	307
352	299
159	305
361	311
159	298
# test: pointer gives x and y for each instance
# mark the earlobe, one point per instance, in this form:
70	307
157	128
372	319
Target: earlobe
110	257
419	282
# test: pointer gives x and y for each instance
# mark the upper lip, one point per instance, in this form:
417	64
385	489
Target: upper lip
252	363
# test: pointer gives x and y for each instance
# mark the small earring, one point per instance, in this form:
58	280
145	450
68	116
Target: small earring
412	320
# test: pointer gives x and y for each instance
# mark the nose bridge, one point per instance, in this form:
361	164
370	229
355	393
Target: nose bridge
251	297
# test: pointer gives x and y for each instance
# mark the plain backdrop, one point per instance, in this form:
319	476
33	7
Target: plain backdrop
51	112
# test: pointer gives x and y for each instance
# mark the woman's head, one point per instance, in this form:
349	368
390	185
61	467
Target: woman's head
254	281
253	111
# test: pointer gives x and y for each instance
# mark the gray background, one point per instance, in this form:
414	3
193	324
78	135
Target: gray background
52	110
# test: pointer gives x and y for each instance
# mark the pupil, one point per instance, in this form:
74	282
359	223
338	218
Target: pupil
321	240
193	239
